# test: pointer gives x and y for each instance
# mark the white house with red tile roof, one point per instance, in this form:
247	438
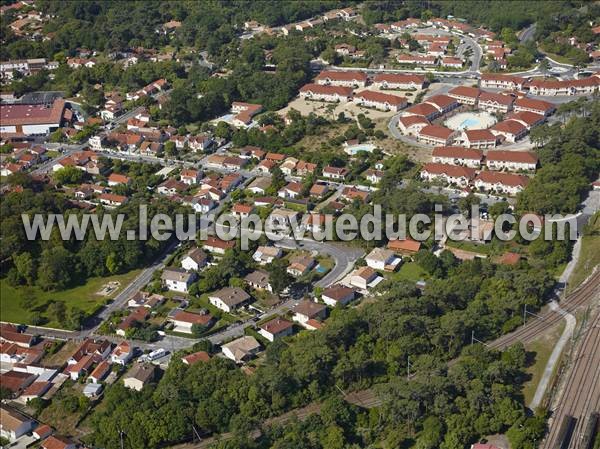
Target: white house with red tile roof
528	119
330	93
122	354
493	102
426	110
338	173
217	246
379	100
116	179
244	113
498	81
338	294
443	103
411	125
449	61
190	176
510	130
184	321
276	328
199	143
291	190
450	174
400	81
511	160
342	78
417	59
531	105
436	135
493	181
478	138
242	210
465	94
582	86
456	155
112	199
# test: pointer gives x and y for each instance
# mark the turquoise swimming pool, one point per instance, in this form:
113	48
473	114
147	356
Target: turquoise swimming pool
469	123
354	149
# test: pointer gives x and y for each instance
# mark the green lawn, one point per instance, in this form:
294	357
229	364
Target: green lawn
410	271
542	347
19	304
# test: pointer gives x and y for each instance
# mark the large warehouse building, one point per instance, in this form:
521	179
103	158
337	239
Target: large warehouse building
22	120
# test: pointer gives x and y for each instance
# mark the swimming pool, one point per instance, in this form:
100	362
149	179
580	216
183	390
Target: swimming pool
354	149
321	269
470	120
469	123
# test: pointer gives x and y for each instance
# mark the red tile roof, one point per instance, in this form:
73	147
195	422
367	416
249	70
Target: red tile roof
443	101
465	91
192	318
479	135
530	103
407	245
276	325
424	109
456	171
200	356
399	78
508	179
505	100
320	89
31	114
342	76
410	120
116	177
512	156
530	118
379	97
437	131
509	126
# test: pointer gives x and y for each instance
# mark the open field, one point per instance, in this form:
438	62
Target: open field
25	304
410	271
542	347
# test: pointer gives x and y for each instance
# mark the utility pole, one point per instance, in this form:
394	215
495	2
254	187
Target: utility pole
473	339
527	312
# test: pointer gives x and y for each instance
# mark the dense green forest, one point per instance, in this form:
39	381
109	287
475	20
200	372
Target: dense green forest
569	157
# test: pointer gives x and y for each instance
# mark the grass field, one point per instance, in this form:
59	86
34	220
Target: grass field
542	347
590	252
410	271
21	304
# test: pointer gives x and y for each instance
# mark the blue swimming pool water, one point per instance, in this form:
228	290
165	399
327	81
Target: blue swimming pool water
368	147
320	269
468	122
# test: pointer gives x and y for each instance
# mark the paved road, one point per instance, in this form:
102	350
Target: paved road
527	34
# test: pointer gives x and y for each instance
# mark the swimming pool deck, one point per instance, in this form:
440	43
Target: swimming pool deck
470	120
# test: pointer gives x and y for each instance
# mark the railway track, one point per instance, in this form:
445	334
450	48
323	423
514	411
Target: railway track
525	334
581	394
549	318
530	331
